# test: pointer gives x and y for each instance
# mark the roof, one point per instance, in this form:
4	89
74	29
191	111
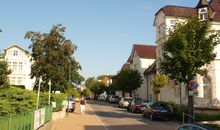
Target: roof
17	47
202	3
125	66
215	5
180	11
151	69
143	51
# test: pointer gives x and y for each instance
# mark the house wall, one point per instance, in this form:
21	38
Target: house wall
170	94
141	64
19	62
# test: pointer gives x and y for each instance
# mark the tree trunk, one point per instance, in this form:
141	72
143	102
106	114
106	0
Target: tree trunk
157	97
190	106
130	92
123	93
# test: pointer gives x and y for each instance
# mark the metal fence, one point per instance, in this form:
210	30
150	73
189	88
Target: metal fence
23	121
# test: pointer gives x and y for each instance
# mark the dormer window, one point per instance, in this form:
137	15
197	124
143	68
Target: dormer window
203	13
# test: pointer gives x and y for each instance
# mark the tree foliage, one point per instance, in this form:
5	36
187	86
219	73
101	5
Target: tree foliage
89	81
158	84
52	56
97	87
128	80
4	72
188	49
187	52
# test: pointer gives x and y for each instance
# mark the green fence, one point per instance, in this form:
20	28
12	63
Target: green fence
23	121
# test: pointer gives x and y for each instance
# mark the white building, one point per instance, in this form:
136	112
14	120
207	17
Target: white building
165	18
19	63
141	57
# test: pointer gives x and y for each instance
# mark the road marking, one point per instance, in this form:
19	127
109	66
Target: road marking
105	127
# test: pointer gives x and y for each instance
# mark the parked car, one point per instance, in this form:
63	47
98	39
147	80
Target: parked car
108	97
114	99
124	101
72	104
135	105
158	110
193	126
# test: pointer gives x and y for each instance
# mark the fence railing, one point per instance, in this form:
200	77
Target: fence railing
24	121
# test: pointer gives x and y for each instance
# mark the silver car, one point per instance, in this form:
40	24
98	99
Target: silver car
124	102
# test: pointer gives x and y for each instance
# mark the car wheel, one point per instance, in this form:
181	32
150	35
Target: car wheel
132	110
151	117
144	114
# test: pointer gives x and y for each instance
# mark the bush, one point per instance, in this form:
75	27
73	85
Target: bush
58	98
178	111
14	100
206	117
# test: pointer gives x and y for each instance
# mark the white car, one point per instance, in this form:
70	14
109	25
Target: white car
72	104
124	102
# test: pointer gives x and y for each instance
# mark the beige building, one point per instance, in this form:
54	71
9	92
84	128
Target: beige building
141	57
19	63
166	18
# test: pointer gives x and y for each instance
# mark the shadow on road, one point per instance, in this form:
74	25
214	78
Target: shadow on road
120	113
128	127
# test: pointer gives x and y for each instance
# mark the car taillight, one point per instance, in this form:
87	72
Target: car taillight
136	105
153	110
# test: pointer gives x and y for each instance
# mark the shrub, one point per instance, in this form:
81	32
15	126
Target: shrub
14	100
206	117
178	111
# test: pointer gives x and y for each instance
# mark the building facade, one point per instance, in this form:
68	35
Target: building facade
165	19
19	63
141	57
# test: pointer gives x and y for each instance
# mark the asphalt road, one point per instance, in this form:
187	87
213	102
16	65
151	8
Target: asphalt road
114	118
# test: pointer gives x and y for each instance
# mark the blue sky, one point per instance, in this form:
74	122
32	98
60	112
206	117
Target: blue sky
103	30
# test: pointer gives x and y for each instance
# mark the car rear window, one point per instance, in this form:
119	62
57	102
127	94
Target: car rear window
70	99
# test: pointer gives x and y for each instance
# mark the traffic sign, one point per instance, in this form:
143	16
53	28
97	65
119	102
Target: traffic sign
193	85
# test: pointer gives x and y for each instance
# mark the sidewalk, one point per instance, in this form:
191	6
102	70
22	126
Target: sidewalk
77	121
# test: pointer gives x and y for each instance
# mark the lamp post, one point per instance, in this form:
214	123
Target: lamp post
68	89
38	92
49	92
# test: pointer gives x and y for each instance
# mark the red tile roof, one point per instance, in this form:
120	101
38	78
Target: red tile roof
215	5
143	51
179	11
125	66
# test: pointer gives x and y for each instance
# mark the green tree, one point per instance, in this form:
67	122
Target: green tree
53	59
4	72
97	87
128	80
89	81
158	84
188	48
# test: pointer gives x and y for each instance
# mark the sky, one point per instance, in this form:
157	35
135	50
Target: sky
103	30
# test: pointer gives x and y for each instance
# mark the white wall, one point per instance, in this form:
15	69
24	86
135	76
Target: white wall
20	75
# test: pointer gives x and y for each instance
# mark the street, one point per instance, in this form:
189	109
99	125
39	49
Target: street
114	118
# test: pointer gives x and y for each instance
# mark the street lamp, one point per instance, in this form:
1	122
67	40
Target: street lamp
69	88
49	92
38	91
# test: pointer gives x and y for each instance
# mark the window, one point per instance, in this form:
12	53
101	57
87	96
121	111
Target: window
207	87
19	80
173	23
161	30
14	67
203	14
13	80
15	53
20	66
